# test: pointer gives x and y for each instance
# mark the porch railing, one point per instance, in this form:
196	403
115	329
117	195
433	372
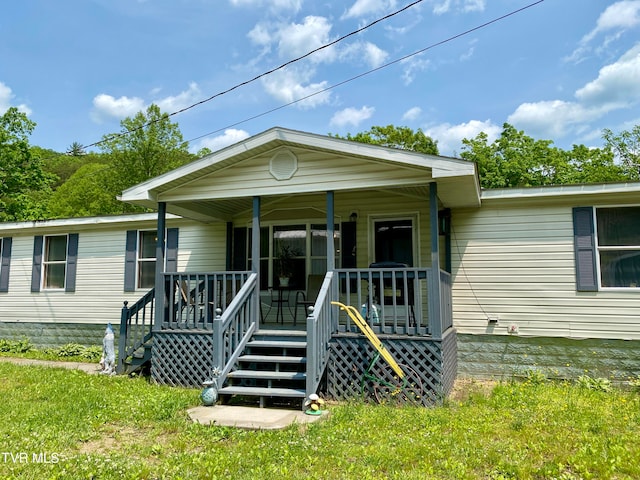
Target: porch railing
234	328
136	324
395	300
191	299
319	330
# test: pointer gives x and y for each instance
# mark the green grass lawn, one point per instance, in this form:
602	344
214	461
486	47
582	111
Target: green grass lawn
82	426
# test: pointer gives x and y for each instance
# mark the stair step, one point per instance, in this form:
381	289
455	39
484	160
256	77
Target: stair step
267	375
262	392
281	333
276	344
271	359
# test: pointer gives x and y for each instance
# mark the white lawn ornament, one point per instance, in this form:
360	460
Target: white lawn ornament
108	360
313	405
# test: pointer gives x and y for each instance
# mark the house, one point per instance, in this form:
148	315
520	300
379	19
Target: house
454	280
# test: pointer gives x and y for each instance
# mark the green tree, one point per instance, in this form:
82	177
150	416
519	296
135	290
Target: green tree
24	186
85	194
148	145
517	160
403	138
626	146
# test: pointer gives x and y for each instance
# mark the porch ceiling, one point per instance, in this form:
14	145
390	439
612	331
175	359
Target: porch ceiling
221	185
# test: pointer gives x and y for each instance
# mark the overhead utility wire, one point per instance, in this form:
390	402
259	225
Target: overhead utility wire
393	62
257	77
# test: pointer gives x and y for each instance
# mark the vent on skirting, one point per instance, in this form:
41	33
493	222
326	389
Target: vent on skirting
283	165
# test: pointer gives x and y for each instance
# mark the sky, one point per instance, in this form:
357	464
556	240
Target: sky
560	70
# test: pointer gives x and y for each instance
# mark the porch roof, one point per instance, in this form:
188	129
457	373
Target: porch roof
281	162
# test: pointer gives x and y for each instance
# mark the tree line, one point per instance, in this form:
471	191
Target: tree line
37	183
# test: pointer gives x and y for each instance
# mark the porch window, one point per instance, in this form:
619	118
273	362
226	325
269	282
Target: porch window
618	246
292	251
393	241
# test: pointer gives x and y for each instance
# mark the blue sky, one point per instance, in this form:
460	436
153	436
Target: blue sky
561	70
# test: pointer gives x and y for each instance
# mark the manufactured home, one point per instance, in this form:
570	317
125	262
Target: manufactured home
233	276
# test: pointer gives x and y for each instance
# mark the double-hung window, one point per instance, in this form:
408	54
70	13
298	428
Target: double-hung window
54	262
607	247
618	243
140	257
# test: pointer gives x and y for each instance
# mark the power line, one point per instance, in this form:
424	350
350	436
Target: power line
257	77
363	74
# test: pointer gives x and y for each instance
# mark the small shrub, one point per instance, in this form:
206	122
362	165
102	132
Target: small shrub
78	351
634	383
535	377
598	384
15	346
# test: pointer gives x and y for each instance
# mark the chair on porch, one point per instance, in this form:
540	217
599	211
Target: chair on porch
308	299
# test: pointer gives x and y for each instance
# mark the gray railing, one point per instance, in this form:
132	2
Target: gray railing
191	299
393	300
136	324
446	308
319	330
234	328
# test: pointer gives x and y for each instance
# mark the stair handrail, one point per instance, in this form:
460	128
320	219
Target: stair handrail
135	327
319	332
233	329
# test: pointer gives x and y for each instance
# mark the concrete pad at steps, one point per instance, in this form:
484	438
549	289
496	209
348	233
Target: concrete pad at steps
251	418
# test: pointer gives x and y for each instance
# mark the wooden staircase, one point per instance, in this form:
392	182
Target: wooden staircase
273	364
140	360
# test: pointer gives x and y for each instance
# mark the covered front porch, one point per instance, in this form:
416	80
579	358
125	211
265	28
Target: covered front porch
360	225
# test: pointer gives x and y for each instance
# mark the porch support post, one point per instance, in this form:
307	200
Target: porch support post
331	251
255	255
435	317
160	248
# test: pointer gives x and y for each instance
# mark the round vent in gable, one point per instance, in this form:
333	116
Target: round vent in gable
283	165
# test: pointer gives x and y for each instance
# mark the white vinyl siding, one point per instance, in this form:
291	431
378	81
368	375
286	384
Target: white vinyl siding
515	261
99	295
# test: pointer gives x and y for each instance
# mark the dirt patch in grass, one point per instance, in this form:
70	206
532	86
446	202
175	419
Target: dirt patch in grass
463	388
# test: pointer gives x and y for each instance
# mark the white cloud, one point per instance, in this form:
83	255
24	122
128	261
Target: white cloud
6	97
273	6
351	116
464	6
229	137
183	99
450	137
616	87
106	106
367	52
297	39
412	66
615	20
288	85
412	113
363	8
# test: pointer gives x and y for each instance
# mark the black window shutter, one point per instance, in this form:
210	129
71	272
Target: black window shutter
5	263
239	249
36	269
72	262
585	249
172	250
130	261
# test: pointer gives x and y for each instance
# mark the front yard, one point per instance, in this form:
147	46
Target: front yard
66	424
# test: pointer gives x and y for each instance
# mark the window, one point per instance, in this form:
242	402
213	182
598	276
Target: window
618	246
393	241
147	241
54	262
5	263
607	247
140	257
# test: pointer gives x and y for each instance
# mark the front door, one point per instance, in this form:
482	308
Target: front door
393	241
